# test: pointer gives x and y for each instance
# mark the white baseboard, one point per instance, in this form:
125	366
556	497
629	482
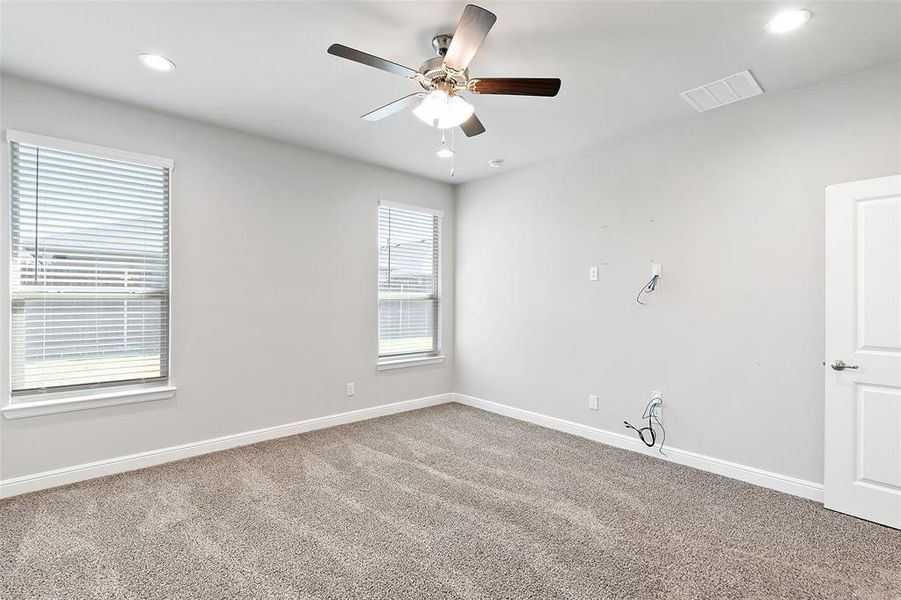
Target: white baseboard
67	475
767	479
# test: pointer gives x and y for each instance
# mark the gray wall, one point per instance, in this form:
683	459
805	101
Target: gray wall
731	204
274	284
274	277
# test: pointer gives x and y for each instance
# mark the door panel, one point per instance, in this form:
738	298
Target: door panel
863	329
877	443
879	280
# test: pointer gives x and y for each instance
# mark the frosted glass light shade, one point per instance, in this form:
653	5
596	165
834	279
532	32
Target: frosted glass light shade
442	111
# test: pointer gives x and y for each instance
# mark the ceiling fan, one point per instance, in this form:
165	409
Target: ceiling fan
446	75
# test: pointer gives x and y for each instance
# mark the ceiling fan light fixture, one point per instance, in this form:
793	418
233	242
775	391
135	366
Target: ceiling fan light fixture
448	73
444	152
442	110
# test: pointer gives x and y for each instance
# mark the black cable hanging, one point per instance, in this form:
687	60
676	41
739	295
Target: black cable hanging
647	434
647	289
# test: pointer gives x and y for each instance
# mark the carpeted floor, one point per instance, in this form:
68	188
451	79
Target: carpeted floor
445	502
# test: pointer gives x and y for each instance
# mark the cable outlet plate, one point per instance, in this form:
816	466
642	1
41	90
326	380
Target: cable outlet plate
656	404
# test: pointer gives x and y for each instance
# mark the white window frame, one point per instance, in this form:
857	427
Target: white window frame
437	356
72	400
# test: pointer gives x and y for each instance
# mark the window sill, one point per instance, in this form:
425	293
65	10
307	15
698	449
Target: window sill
401	363
68	403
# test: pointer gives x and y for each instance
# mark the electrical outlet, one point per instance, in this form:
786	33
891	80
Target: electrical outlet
656	269
593	274
593	402
350	389
655	395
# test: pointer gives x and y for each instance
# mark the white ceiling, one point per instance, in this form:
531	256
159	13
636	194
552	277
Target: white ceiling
262	66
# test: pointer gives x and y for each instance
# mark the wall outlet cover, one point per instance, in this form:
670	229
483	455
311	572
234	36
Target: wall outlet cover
593	402
350	389
593	274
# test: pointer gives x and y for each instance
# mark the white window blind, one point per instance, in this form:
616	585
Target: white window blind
409	271
89	270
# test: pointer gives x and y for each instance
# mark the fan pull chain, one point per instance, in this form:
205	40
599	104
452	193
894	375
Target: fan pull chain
453	156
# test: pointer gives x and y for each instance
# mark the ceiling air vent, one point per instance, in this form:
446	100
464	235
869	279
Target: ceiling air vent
715	94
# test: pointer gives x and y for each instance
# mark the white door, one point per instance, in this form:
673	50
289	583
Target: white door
863	349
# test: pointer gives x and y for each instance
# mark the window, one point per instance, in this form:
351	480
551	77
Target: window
89	267
409	281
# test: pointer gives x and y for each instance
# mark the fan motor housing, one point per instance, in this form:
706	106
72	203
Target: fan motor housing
433	70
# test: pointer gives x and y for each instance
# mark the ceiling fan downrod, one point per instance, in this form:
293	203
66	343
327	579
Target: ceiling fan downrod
441	43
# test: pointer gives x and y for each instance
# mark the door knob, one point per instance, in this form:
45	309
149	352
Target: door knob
840	365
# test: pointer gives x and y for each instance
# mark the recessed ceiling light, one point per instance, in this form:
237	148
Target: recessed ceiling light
788	20
496	163
156	62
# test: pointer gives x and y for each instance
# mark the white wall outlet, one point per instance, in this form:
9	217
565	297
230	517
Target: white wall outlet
655	395
656	269
350	389
593	274
593	402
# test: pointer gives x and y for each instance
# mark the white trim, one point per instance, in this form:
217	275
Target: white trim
34	139
387	365
412	208
767	479
5	270
170	316
67	475
50	404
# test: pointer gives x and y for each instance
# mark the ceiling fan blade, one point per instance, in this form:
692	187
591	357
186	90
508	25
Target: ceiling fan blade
474	25
472	126
393	107
370	60
515	86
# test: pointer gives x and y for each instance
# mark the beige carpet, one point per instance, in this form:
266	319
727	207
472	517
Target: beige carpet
445	502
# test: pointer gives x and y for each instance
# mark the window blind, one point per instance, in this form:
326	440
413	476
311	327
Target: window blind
89	271
408	282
